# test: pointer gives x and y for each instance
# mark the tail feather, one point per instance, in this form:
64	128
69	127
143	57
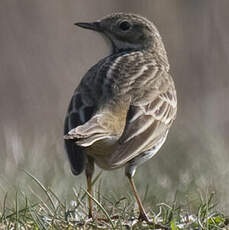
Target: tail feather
75	153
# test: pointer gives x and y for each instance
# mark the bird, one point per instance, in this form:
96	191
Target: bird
122	110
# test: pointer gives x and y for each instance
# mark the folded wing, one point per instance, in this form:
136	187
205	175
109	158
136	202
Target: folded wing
147	122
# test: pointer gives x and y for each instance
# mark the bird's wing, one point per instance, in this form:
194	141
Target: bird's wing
148	120
109	116
80	110
84	104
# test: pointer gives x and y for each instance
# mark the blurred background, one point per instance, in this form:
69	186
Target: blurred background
42	59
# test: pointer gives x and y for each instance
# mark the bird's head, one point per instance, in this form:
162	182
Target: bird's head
127	32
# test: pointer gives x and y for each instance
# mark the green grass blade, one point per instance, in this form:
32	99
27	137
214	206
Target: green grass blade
42	187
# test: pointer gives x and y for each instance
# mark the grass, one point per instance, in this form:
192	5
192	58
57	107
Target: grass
48	211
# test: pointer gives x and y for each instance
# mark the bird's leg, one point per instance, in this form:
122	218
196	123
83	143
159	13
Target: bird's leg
89	172
130	171
143	215
89	189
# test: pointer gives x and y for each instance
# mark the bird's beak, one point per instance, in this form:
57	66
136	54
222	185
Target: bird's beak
89	25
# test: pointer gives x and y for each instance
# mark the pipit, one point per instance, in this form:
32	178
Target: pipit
123	108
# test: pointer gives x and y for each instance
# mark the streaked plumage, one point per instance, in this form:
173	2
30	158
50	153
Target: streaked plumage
122	109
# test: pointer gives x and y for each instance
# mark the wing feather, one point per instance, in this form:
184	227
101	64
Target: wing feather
80	110
148	123
82	107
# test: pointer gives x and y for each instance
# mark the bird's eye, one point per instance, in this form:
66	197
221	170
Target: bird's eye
124	25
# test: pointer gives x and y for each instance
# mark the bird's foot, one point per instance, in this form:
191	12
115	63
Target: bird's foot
144	217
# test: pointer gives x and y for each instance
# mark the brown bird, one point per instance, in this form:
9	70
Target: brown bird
122	110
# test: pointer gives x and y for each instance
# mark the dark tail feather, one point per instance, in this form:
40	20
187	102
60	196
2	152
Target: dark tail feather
75	153
75	156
